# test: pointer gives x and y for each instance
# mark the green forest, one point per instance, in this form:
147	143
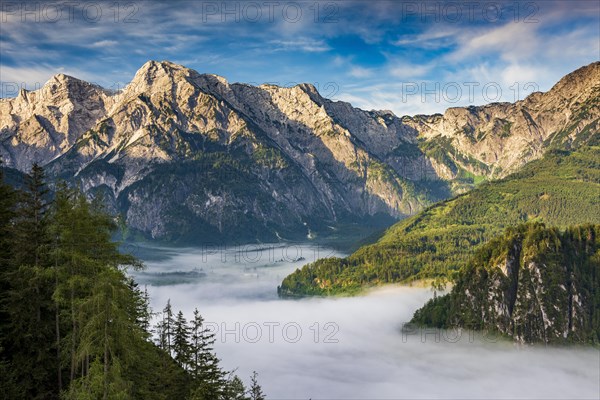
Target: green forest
561	189
532	283
74	325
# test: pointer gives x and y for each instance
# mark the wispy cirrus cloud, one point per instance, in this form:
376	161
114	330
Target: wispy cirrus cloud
300	44
371	51
511	42
360	72
105	43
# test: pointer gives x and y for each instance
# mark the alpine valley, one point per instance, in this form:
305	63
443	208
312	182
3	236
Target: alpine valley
248	200
502	200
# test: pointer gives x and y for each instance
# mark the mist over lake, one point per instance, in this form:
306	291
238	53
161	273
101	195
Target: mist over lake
350	348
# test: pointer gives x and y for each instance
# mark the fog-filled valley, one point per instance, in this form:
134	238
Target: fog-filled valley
352	347
349	200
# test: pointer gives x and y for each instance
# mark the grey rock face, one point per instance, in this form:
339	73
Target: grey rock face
182	153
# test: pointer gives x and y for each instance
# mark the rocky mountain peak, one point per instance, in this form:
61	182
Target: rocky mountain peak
62	78
155	75
68	83
588	75
308	88
152	68
579	86
311	91
346	161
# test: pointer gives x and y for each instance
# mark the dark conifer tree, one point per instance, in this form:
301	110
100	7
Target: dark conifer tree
255	390
31	226
141	308
209	378
74	325
7	212
7	207
235	389
181	338
164	329
28	300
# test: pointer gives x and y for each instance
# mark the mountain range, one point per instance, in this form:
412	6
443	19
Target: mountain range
184	156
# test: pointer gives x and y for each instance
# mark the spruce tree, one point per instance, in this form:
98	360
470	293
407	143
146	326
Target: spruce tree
7	207
255	389
108	329
28	299
164	329
74	325
141	308
181	337
31	228
93	386
7	213
84	256
206	372
235	389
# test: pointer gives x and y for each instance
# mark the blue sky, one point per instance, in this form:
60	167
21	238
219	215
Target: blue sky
407	56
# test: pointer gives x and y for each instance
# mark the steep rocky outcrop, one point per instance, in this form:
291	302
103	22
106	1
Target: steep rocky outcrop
534	284
41	125
183	154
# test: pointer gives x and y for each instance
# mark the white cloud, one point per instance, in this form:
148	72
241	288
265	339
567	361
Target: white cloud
518	73
105	43
430	39
360	72
363	353
31	77
303	44
396	96
339	61
514	52
14	79
512	42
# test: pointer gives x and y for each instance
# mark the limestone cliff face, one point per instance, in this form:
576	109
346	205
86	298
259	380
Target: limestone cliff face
534	284
499	138
43	124
178	151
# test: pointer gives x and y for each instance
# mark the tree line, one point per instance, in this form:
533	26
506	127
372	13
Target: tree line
75	325
533	283
561	189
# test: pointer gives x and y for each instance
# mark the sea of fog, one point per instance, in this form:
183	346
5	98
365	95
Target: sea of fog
348	348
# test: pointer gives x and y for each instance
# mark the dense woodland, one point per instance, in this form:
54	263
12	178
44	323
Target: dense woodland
532	283
74	325
561	189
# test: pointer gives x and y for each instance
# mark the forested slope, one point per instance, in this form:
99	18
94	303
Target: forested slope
74	325
561	189
533	283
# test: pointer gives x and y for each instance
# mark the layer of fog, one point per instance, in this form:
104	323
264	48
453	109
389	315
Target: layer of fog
350	348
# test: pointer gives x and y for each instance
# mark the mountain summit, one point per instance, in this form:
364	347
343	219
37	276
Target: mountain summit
187	155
